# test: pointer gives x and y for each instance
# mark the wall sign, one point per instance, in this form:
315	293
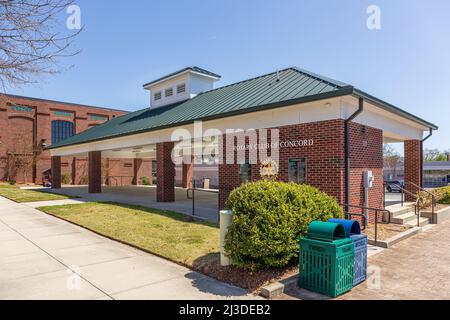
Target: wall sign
278	145
269	170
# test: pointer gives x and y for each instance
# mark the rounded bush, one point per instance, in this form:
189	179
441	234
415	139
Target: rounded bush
66	178
270	217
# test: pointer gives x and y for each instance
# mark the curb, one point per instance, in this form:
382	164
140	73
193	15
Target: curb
396	239
277	288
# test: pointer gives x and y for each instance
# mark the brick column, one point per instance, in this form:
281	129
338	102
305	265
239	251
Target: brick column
229	178
413	167
137	163
165	172
95	172
56	172
188	173
74	171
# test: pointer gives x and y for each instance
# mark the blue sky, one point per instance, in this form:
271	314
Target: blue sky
128	43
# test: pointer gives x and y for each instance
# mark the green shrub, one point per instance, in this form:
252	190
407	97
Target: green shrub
445	199
66	178
146	181
270	217
12	182
442	196
84	180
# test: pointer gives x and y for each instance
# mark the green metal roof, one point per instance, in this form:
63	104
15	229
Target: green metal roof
286	87
193	68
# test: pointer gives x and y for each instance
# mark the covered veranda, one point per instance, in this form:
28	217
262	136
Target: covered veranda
164	195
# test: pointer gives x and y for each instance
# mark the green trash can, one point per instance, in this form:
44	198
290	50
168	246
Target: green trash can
326	259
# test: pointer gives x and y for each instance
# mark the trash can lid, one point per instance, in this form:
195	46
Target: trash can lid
350	226
325	231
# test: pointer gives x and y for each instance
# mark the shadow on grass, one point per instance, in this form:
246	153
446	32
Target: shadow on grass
69	196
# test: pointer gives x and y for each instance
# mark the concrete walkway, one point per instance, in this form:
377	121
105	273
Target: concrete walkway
52	203
42	257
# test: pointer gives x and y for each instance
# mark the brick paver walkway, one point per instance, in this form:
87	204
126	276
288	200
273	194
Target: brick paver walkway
417	268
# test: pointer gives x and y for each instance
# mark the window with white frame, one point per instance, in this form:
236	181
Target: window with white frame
158	96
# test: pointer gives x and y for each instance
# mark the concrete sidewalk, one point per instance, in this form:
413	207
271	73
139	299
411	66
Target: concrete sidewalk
42	257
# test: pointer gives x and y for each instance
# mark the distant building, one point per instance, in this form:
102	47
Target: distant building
435	174
27	125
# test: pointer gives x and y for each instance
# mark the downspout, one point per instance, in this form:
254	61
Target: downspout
421	157
347	151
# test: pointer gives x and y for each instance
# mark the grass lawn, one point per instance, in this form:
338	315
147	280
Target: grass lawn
165	233
16	194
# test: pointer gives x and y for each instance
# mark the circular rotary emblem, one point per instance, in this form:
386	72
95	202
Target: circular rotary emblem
269	170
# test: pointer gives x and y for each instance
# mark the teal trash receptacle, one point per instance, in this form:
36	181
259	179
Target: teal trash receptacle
326	259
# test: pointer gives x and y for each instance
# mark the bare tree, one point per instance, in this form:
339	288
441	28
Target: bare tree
33	39
432	154
20	158
391	158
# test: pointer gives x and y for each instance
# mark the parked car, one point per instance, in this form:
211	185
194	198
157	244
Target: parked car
47	178
394	186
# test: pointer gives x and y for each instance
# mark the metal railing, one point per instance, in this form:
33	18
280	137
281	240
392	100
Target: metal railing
433	199
190	194
415	196
349	215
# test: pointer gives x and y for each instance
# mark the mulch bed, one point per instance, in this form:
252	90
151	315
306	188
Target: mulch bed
244	278
385	231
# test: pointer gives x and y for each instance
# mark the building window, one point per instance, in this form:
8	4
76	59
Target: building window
169	92
245	172
297	170
61	130
181	88
157	96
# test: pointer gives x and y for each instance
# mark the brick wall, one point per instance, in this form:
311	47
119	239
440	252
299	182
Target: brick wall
325	159
325	167
366	154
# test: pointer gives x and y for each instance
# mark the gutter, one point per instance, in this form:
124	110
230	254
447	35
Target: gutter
347	151
391	108
421	156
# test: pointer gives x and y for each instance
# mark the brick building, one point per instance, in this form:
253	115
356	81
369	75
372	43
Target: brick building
27	125
326	133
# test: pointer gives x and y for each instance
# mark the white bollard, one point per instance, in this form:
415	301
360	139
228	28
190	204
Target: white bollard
225	222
